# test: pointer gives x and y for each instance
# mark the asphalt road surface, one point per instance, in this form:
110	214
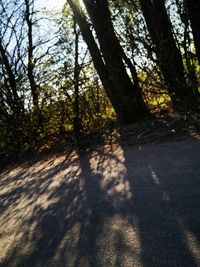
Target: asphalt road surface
113	206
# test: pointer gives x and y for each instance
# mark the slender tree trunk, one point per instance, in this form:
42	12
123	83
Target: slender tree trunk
169	57
76	85
31	77
31	67
193	7
126	101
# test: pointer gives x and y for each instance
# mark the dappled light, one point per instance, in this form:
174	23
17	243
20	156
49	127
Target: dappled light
192	241
65	75
113	206
99	133
113	173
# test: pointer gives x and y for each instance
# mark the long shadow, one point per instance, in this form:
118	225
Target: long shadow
96	208
102	241
33	188
65	231
165	184
99	208
85	208
50	224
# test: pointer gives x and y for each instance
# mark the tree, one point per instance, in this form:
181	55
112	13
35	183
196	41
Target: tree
125	97
193	7
77	124
10	58
168	55
30	66
183	33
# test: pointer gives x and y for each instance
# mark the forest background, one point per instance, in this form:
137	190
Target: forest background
89	66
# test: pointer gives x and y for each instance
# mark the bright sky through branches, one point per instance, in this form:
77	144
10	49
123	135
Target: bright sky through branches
52	5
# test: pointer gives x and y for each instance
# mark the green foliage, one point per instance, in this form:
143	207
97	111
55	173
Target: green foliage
23	126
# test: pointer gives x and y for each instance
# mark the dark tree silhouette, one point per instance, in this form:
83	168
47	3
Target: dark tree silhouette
168	55
126	98
193	7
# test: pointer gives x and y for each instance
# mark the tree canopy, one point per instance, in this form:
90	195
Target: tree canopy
70	70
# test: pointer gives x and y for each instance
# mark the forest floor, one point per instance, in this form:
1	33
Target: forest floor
120	204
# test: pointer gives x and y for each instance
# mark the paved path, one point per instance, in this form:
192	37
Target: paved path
116	206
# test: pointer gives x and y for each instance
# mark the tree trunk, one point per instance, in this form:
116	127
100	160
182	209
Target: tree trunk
113	56
168	55
193	7
126	100
190	64
77	124
12	89
31	77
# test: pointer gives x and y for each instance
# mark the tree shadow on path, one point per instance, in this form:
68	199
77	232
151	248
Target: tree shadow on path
113	206
165	184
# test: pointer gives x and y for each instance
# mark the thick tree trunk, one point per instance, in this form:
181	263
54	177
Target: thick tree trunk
168	55
189	64
113	56
126	100
11	76
193	7
12	88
